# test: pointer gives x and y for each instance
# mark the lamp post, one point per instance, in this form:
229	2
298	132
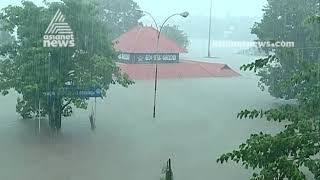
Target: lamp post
154	20
210	26
185	15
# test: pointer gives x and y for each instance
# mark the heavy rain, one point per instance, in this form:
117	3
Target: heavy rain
159	90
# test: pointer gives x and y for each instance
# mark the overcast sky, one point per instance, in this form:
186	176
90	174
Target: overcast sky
221	8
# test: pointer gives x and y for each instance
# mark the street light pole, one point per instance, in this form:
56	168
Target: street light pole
184	14
154	20
210	26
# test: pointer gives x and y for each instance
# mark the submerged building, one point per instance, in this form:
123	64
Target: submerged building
138	54
139	46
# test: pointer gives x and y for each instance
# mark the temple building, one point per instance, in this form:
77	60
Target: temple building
138	54
139	46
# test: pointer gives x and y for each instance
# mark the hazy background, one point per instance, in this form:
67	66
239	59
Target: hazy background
194	123
228	15
196	8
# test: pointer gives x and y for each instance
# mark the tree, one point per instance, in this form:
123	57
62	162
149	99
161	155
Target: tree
285	20
34	71
4	36
120	15
281	156
174	33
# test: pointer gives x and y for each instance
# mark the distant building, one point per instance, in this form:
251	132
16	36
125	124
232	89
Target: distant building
139	46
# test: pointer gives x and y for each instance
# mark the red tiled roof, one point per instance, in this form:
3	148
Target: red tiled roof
184	69
144	40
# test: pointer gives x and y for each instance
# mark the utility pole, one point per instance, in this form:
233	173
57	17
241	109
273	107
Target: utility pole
169	173
39	115
210	26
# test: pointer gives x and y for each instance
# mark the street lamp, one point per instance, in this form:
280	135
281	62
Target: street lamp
210	26
183	14
154	20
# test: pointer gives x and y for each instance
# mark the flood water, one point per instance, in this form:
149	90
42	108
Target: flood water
196	122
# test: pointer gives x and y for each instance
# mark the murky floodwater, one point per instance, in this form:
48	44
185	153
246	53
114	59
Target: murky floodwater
196	123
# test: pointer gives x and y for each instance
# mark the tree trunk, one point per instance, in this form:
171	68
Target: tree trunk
55	114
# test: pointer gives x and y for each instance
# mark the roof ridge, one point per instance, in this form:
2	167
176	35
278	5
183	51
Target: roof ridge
142	39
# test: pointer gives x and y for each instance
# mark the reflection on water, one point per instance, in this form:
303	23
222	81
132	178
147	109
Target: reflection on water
196	123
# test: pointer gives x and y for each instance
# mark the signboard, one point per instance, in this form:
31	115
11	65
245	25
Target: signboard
74	92
136	58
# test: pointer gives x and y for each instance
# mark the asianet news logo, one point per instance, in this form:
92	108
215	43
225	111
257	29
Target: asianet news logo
58	33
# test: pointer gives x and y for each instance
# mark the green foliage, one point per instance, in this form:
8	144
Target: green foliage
5	37
258	64
298	145
120	15
287	20
291	76
31	70
179	36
